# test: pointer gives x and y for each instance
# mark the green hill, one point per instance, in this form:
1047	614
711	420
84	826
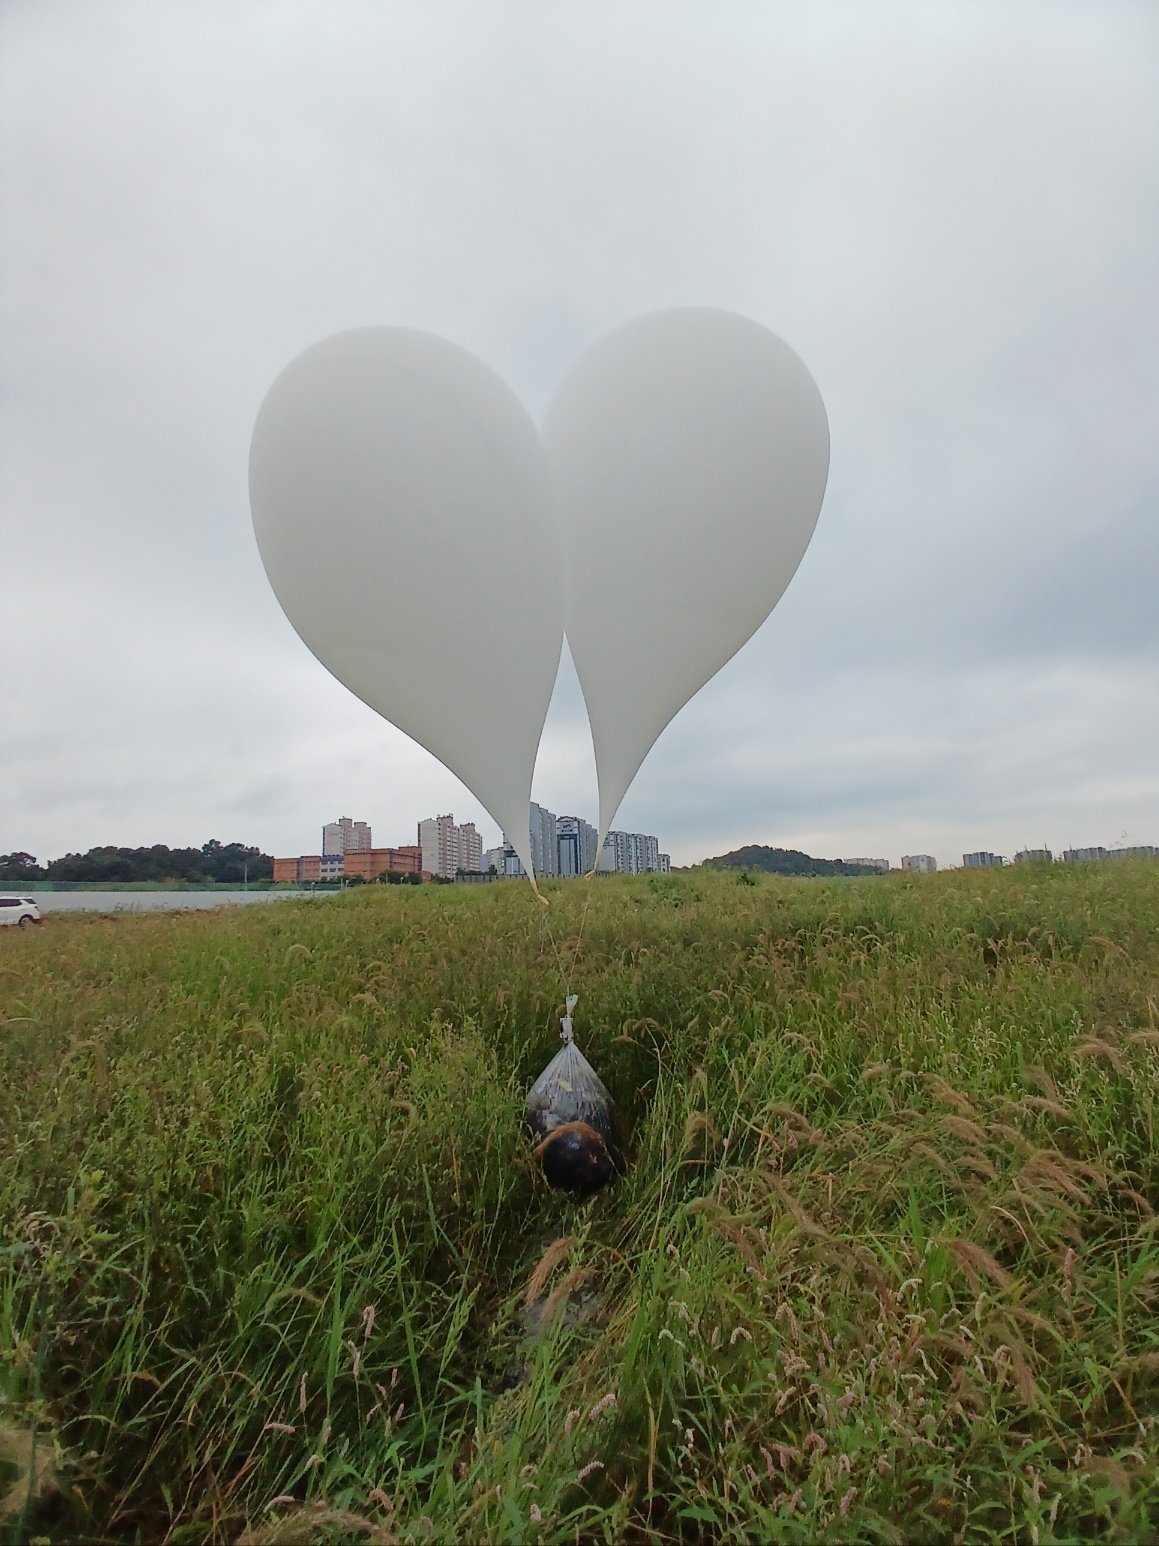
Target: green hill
783	861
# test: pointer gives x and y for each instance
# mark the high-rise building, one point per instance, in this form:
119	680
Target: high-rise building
345	836
632	853
923	864
880	865
983	860
544	847
439	841
1034	856
470	847
542	840
447	848
575	845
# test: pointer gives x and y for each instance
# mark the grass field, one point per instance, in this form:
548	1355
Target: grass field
276	1264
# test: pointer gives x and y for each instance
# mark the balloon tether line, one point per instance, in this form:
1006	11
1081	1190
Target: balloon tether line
566	972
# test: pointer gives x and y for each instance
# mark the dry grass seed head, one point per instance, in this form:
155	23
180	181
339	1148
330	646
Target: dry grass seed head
1096	1047
1144	1038
948	1096
978	1163
1139	1200
1036	1074
962	1127
559	1250
932	1157
794	1208
578	1278
1054	1108
1044	1169
1032	1319
1012	1135
306	1525
976	1262
1012	1360
698	1122
1109	944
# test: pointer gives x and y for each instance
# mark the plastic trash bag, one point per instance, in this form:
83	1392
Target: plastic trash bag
568	1090
570	1114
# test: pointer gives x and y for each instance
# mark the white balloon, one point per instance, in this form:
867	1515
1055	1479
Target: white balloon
402	508
689	451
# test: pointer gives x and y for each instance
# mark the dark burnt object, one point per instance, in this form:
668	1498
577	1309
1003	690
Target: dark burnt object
575	1159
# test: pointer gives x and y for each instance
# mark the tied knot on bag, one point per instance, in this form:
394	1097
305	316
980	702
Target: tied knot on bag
565	1027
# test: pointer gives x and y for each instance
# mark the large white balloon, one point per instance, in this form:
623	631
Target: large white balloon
402	508
689	451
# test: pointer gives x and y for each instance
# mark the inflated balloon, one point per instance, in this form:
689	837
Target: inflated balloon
689	451
402	507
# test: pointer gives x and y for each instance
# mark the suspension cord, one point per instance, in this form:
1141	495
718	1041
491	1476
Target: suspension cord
567	972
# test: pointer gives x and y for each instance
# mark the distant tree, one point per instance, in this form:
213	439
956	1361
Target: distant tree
223	863
231	863
18	868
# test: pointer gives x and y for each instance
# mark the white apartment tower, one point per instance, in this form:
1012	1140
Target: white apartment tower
439	841
923	864
470	848
633	853
544	840
346	837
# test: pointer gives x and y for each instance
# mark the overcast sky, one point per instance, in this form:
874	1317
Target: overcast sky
950	211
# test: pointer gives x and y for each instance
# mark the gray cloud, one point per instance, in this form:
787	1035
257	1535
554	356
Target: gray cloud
951	213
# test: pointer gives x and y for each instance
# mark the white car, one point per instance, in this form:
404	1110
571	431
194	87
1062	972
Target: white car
18	909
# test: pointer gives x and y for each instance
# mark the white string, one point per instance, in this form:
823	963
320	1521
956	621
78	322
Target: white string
566	973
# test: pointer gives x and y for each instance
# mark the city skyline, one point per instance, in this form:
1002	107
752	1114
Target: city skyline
553	834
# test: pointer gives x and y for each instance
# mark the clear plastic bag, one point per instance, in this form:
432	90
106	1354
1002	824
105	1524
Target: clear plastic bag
568	1090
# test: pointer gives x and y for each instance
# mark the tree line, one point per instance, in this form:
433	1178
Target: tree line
225	864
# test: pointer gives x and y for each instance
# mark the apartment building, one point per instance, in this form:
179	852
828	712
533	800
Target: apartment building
633	853
921	864
438	837
543	836
345	836
575	845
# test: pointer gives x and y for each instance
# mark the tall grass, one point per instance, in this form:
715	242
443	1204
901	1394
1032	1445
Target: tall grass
883	1263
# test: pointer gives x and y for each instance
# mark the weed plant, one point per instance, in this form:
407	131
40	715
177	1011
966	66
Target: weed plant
883	1264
